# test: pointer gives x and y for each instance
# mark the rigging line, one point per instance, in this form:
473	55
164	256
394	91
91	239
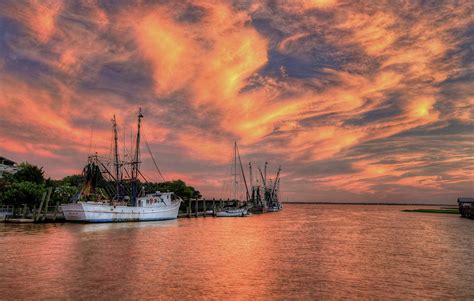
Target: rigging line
143	177
243	174
152	158
227	183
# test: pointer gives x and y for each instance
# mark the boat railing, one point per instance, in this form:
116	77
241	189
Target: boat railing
6	209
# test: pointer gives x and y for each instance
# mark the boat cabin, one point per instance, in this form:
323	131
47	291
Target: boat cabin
155	199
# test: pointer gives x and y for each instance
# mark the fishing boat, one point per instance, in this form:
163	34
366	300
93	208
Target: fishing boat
274	205
264	198
93	207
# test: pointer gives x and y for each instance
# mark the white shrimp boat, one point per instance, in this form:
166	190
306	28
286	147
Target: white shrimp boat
91	206
153	207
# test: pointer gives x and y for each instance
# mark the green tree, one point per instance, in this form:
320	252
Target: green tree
63	193
29	173
74	180
179	187
18	193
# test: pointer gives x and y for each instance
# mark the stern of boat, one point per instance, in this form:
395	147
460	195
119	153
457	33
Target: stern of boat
74	212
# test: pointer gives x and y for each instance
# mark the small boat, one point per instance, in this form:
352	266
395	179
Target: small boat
238	208
275	207
232	212
258	209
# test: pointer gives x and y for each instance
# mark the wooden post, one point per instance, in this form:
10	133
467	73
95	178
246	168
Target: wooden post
23	214
38	212
189	207
204	207
47	203
213	206
56	209
197	207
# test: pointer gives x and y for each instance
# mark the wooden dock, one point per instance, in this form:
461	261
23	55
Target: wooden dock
43	214
202	207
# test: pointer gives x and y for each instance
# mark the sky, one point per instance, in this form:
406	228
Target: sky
359	101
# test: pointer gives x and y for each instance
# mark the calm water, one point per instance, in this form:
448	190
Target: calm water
304	252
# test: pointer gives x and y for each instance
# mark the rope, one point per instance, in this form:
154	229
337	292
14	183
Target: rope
152	158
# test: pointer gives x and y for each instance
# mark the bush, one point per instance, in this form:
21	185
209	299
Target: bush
18	193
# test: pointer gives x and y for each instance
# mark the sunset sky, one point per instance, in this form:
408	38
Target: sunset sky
358	101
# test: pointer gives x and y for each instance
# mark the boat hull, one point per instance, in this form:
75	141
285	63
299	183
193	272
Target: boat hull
232	213
91	212
275	208
258	209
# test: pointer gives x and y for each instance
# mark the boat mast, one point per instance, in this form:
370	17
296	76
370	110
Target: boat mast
261	175
136	161
252	197
235	170
265	181
116	159
277	180
250	173
243	173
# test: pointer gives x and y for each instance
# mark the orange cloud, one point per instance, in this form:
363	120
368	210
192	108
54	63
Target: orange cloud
346	77
37	16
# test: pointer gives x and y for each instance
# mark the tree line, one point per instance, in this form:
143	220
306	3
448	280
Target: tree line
28	184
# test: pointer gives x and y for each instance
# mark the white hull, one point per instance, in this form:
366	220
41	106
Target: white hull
96	212
275	208
232	213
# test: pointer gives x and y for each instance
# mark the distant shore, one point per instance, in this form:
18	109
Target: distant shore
365	203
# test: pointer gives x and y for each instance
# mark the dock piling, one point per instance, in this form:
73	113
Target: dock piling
48	197
37	213
189	207
197	207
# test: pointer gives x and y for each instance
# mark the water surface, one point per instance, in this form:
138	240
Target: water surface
303	252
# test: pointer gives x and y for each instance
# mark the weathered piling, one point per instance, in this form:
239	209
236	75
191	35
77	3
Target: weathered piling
37	213
56	209
48	197
197	208
189	207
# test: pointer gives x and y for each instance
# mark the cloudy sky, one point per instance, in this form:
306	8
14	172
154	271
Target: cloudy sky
358	101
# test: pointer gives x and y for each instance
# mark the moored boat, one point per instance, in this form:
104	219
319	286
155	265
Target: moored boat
91	206
232	212
152	207
237	209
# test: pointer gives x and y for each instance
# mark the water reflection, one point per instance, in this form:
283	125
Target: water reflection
304	252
